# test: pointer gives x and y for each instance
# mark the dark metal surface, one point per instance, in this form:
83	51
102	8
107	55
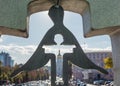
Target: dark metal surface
78	57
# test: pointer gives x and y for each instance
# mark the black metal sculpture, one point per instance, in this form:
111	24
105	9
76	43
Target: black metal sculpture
40	58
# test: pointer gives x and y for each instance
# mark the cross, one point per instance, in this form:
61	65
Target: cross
68	49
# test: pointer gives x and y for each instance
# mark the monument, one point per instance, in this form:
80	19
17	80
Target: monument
40	58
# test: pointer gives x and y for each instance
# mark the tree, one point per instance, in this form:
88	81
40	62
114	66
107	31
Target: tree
16	67
0	63
108	62
0	69
69	70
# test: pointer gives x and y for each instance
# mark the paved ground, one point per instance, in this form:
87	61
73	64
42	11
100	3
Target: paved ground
94	85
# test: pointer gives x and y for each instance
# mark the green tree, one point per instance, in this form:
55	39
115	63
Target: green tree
0	70
0	63
69	70
108	63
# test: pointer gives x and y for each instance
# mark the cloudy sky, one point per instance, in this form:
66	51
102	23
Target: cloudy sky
21	49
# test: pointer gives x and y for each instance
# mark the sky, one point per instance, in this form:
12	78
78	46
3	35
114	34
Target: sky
21	49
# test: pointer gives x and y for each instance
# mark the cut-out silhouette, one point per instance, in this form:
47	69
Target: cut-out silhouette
59	41
78	57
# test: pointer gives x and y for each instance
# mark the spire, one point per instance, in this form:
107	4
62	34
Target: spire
59	53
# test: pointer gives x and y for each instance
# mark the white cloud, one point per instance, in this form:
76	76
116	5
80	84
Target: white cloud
55	48
1	40
22	53
86	47
68	49
18	48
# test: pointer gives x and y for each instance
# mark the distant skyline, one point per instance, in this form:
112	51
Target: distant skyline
21	49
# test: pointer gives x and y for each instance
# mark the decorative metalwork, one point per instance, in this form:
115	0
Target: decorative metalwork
40	58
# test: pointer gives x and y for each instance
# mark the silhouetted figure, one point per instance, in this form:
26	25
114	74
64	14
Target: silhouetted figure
78	57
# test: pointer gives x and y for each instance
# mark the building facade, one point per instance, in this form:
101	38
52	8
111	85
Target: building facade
6	59
91	74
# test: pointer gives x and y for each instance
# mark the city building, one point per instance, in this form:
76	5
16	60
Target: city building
59	65
88	75
6	59
91	74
